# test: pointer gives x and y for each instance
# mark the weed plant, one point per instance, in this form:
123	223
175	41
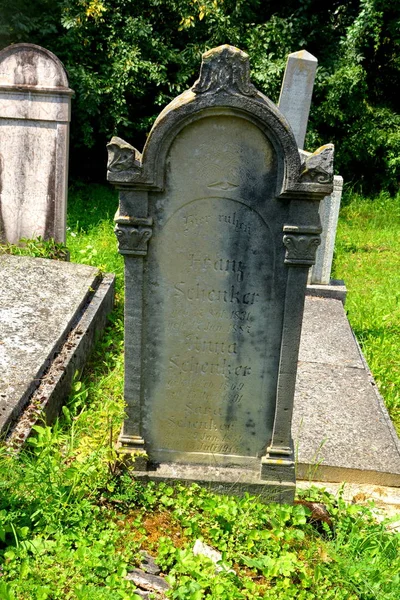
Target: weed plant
72	525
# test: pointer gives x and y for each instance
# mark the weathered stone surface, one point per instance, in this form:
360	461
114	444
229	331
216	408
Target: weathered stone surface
296	92
149	564
218	223
329	207
147	581
34	119
335	290
340	425
40	302
326	337
234	481
295	102
70	358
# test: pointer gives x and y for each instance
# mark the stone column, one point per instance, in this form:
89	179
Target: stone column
301	243
133	230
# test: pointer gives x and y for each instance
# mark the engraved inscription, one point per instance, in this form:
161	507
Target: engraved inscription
210	368
217	330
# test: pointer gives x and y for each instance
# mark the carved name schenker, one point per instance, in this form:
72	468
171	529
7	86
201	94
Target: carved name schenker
218	224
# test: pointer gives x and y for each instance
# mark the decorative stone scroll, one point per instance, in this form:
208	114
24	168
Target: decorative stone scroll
35	107
218	223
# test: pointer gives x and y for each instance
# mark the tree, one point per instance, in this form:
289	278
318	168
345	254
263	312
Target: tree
128	58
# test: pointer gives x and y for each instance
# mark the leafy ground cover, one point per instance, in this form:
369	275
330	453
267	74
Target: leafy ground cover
72	524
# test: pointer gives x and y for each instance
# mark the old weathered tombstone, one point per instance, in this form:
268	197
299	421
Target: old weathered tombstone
296	92
34	123
218	224
295	103
320	273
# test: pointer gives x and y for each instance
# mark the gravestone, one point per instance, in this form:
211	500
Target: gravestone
296	92
295	103
218	224
320	273
34	135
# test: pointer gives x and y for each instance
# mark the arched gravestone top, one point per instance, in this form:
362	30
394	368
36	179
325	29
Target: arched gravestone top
218	223
31	67
223	87
35	111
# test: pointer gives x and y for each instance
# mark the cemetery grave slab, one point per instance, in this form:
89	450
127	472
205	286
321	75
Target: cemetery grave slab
50	312
341	427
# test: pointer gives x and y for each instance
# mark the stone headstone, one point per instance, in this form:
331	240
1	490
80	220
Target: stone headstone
218	224
295	103
34	135
296	92
320	273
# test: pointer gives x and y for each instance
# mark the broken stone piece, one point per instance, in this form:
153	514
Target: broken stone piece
147	581
205	550
148	564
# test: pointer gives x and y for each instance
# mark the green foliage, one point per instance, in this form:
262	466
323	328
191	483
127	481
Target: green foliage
128	58
71	527
356	91
268	551
37	247
367	256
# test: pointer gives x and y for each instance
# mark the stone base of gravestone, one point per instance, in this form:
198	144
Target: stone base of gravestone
50	314
222	480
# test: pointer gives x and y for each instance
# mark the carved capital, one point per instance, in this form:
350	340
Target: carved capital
226	69
301	246
122	156
133	235
317	167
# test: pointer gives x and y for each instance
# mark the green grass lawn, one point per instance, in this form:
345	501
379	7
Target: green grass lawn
72	525
367	257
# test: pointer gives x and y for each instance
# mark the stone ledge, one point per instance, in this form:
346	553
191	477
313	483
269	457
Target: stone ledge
39	381
336	290
56	383
222	480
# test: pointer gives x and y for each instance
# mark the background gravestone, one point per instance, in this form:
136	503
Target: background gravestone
34	137
295	103
218	224
296	92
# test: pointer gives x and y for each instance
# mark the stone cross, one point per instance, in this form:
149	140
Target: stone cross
34	120
218	225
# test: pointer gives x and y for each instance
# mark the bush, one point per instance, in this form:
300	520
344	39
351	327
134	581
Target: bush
128	58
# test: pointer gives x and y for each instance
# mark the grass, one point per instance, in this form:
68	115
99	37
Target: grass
72	525
367	257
